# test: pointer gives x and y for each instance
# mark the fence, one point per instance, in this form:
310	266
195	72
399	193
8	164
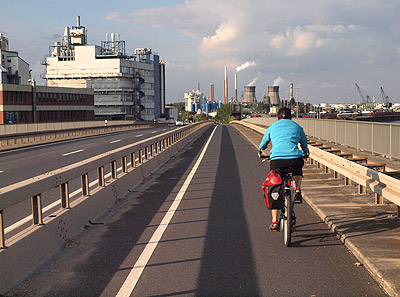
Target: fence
377	138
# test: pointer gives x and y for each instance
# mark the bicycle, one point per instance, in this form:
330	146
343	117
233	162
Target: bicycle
287	218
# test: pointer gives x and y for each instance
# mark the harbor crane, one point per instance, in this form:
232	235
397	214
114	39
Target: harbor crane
385	98
364	97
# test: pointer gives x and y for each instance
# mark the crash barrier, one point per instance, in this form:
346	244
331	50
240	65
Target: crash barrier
26	135
355	170
23	252
377	138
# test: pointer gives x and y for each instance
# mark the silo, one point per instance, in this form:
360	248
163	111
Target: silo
219	104
192	109
203	108
207	108
249	94
273	93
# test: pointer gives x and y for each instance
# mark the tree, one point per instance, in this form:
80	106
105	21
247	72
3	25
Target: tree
224	114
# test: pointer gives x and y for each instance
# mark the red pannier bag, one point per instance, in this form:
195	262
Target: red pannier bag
272	189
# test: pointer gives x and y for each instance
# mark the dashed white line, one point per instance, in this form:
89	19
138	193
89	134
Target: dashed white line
134	275
115	141
153	132
139	135
78	151
1	171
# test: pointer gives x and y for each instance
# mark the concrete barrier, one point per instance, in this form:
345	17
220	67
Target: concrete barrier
58	133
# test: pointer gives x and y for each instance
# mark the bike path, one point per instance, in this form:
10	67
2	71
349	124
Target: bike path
216	244
371	232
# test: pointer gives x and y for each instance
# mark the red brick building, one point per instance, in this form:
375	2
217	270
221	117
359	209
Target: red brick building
41	104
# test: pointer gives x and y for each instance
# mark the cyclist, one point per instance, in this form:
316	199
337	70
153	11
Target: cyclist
285	136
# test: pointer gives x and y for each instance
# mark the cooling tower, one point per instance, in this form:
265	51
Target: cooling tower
249	94
273	93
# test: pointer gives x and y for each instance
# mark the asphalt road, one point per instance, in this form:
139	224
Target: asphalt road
216	244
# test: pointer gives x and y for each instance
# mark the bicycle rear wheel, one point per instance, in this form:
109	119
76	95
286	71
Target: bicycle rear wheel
287	220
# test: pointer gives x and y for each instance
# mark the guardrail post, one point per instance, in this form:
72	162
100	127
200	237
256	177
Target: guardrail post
335	175
37	210
378	199
362	189
347	181
64	193
113	165
100	176
133	159
140	156
85	184
2	239
124	164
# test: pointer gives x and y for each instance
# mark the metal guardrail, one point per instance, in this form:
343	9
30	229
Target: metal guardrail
382	185
21	251
32	188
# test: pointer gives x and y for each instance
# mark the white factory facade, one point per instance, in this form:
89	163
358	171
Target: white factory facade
125	86
13	69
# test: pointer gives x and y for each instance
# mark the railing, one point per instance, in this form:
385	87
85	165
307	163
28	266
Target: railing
136	161
382	185
377	138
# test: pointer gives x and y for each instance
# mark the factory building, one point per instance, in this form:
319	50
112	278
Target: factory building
125	86
41	104
194	100
13	69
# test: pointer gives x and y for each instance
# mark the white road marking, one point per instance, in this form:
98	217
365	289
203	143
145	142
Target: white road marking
115	141
153	132
1	171
139	135
134	275
73	152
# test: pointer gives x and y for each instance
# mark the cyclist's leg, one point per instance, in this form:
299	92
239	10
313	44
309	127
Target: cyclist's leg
298	177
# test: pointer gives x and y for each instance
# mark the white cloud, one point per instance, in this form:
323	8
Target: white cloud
312	41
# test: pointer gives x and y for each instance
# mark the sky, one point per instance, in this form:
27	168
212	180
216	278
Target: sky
322	47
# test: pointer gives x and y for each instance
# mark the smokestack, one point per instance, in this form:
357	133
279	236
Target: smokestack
78	21
291	91
235	87
273	93
212	92
226	86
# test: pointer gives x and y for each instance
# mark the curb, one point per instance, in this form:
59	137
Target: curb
387	286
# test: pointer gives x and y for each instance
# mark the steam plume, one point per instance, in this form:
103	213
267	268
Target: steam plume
245	65
278	80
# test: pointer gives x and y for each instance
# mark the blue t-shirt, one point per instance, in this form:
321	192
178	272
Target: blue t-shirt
285	136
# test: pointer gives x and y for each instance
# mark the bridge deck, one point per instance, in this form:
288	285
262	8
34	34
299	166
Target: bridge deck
218	243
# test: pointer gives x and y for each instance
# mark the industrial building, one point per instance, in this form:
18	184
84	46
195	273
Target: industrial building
13	69
194	100
41	104
125	86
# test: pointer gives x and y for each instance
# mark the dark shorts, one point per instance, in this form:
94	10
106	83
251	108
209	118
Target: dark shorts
296	165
